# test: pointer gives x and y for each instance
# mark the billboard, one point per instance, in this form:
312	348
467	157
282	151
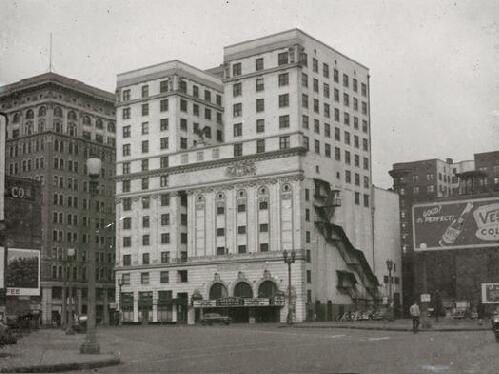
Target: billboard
23	272
471	223
490	293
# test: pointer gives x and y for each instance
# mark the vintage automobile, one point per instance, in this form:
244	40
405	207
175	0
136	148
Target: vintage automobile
211	318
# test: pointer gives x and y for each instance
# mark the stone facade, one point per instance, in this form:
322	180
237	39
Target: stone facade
55	124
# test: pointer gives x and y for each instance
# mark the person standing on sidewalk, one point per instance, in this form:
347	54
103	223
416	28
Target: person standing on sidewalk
415	314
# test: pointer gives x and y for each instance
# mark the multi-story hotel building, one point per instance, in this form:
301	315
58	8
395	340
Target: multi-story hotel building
205	220
55	124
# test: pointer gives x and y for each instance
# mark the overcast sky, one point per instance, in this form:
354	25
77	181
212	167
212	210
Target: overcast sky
434	64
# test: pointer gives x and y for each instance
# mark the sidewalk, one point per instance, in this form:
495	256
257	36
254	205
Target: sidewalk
50	350
401	325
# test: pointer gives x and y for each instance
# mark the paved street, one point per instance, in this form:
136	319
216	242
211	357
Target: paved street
269	348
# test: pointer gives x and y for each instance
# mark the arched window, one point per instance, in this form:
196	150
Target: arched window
30	114
244	290
98	123
86	120
267	289
72	116
58	112
42	111
58	127
16	118
110	126
218	291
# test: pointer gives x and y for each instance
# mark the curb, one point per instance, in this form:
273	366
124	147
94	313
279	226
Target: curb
62	367
406	329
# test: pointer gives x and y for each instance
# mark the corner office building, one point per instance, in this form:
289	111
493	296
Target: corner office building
55	124
207	207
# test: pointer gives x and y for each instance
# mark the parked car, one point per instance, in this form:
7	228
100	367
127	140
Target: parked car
211	318
6	336
80	324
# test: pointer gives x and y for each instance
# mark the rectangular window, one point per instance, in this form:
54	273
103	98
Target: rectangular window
165	238
348	160
264	247
125	95
127	260
304	101
183	143
207	113
220	210
348	176
259	64
126	113
163	86
237	89
145	258
366	201
145	128
145	164
284	122
283	142
220	231
309	276
327	150
238	150
346	99
317	147
260	125
306	143
260	146
163	124
316	85
236	69
163	162
164	277
283	101
259	85
182	276
326	90
241	229
163	143
357	198
165	219
363	89
127	241
126	150
345	80
304	122
165	257
263	205
241	249
238	129
315	65
237	110
163	105
145	239
304	80
260	105
145	146
126	131
144	278
325	70
282	58
145	109
283	79
241	208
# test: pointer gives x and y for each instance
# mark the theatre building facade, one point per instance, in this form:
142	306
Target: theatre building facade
204	221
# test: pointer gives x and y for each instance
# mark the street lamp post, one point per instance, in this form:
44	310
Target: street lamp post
389	265
90	345
70	256
289	260
120	284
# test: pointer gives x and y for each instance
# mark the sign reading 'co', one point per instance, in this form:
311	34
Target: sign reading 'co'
20	192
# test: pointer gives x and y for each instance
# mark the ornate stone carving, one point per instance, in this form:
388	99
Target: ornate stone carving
241	169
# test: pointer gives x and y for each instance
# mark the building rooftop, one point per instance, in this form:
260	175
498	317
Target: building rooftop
290	34
51	77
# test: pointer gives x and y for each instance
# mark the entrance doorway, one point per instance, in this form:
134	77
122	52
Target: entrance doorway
182	302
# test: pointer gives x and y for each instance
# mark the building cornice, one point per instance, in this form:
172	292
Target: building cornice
166	95
180	169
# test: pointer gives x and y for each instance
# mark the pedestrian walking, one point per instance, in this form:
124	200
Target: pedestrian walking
415	314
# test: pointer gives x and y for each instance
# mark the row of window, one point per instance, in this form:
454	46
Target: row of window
285	58
146	239
166	85
58	113
164	277
146	202
146	221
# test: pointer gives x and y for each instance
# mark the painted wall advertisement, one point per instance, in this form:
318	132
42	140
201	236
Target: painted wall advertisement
23	272
456	224
490	293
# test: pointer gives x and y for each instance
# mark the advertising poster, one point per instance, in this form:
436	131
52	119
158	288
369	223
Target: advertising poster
470	223
23	272
490	293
